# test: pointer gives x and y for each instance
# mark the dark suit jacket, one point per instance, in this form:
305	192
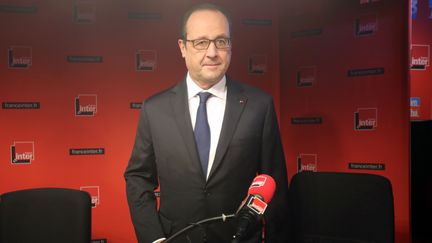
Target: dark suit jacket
165	155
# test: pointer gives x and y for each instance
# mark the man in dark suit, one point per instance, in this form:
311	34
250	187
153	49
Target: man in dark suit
203	176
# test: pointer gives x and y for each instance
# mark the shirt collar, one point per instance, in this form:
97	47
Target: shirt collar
218	90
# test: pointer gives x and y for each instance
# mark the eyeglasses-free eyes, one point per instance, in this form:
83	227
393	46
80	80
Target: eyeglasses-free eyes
203	44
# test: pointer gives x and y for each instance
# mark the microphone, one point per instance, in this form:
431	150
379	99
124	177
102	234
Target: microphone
253	207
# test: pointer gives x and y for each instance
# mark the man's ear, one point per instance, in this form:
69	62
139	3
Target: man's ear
182	47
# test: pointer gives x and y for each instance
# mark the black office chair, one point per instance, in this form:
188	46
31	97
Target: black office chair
336	207
45	215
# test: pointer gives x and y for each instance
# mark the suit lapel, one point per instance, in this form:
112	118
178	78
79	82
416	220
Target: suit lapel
235	103
180	106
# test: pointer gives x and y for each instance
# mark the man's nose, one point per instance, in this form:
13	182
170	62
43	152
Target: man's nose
212	50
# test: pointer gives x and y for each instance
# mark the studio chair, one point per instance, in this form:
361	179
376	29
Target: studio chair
45	215
336	207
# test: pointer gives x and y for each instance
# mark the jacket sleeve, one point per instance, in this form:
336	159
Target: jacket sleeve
273	164
141	181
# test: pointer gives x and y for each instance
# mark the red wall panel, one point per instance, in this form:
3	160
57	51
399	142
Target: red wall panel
344	91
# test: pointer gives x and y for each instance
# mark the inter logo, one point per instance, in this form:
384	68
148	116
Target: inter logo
306	76
307	162
256	204
366	119
19	57
259	181
94	194
84	12
22	152
145	60
257	64
86	105
366	25
420	57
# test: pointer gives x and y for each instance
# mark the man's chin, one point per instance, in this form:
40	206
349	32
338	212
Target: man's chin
212	79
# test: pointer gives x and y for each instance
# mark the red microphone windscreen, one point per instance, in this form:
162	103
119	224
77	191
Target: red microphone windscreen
263	185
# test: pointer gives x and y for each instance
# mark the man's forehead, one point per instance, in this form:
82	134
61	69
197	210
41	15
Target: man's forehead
208	21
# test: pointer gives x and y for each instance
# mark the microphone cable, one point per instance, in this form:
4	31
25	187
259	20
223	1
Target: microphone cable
223	217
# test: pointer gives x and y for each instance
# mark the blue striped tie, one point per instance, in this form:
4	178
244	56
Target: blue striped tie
202	131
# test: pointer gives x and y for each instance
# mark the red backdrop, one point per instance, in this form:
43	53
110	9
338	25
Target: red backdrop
60	55
344	91
73	73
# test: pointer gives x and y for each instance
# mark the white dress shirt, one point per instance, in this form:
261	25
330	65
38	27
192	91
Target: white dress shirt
215	111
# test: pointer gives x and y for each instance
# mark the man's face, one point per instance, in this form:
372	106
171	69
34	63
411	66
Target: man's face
206	67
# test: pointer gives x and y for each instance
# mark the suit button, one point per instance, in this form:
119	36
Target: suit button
206	193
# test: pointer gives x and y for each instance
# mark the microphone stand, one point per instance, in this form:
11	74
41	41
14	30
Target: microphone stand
223	217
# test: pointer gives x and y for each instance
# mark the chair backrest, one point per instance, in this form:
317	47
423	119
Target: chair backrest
341	208
45	215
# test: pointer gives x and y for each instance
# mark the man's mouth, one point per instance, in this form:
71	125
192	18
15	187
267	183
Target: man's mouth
211	64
